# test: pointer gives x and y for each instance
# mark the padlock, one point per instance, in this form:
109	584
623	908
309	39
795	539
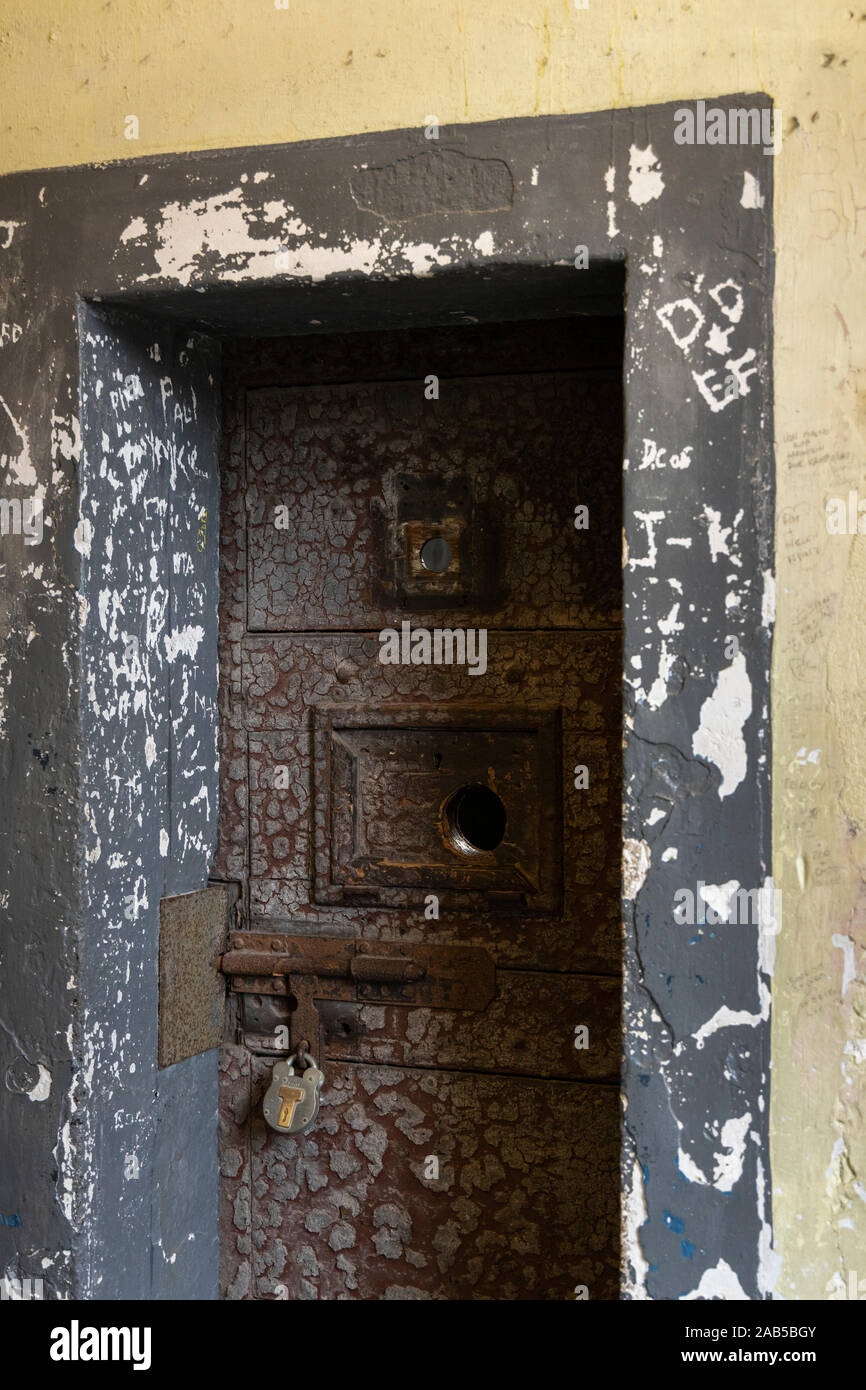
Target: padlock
292	1101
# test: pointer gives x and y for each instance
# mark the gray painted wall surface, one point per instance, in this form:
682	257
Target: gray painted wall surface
347	234
149	541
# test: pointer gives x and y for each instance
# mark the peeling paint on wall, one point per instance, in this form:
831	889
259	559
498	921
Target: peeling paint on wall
719	737
148	653
193	237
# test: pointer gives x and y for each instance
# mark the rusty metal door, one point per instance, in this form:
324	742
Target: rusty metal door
420	795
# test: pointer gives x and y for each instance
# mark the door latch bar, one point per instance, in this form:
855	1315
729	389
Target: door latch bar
313	968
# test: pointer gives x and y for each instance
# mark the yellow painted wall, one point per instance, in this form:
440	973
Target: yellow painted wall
207	73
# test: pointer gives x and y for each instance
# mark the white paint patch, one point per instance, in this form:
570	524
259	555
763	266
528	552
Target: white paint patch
751	196
718	534
658	691
163	843
186	640
610	178
220	225
423	257
671	624
65	1153
225	227
5	679
612	229
665	316
728	1167
689	1169
635	1216
655	815
717	339
636	862
658	246
645	180
719	738
136	229
42	1089
102	604
150	750
846	946
719	1282
65	438
485	244
718	896
272	212
20	465
670	854
647	561
732	1018
534	177
83	537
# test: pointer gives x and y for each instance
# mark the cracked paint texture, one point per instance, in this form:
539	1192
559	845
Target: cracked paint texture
321	1205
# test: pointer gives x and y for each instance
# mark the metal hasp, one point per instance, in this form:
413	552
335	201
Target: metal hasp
313	968
192	930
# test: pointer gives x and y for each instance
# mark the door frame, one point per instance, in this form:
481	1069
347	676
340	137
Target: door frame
127	275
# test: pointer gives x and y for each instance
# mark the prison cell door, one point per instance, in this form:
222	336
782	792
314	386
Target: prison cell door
421	732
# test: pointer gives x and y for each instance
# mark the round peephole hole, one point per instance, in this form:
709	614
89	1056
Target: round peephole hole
476	819
436	555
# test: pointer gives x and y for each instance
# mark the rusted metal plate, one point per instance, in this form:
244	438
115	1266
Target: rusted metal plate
350	806
563	1027
448	977
525	1204
315	969
290	680
385	776
192	930
579	1039
584	934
